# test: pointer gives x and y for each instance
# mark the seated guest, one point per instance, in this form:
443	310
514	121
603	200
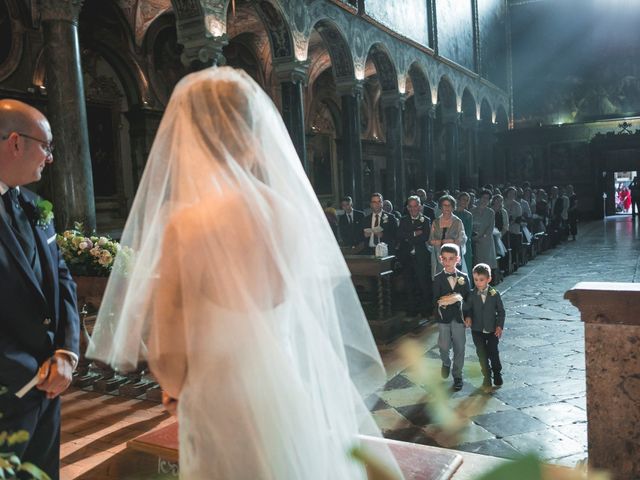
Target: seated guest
427	205
387	207
413	235
379	226
349	224
430	202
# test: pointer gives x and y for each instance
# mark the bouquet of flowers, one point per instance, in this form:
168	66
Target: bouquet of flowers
89	255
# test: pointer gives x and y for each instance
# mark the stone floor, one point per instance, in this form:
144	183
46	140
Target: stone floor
541	407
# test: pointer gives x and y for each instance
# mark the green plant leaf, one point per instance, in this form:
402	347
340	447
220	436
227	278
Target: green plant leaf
34	471
528	467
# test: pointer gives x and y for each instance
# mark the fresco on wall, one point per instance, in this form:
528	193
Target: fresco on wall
493	41
577	61
408	18
455	31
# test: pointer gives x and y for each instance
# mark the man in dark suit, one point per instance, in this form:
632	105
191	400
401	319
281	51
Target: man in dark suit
378	227
413	235
39	324
350	224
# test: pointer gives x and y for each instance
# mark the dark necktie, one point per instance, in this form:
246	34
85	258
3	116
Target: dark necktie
376	240
22	229
350	219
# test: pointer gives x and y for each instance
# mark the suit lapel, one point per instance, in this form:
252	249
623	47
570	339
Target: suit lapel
13	247
46	260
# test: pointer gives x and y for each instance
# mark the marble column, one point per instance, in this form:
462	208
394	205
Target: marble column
426	117
612	337
144	124
292	76
451	135
71	171
392	106
351	153
486	140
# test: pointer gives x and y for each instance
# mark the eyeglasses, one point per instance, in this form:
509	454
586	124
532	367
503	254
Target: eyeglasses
48	146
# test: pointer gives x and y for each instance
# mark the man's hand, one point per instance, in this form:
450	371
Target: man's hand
379	234
498	332
417	233
467	322
170	404
55	375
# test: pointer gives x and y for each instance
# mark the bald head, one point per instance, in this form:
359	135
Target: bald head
25	143
16	116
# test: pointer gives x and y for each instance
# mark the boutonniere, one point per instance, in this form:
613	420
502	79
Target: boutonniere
460	280
492	292
421	219
44	212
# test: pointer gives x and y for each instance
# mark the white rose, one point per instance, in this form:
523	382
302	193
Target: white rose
102	241
83	245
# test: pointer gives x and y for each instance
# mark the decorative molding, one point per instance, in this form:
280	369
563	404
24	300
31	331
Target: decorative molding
60	10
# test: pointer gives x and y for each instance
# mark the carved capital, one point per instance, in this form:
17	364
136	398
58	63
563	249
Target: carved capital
352	88
392	99
60	10
292	71
202	50
424	106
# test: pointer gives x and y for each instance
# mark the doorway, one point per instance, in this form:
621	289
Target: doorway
622	191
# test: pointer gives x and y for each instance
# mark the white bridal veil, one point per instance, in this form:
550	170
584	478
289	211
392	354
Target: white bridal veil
238	296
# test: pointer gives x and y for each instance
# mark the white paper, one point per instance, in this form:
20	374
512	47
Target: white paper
24	390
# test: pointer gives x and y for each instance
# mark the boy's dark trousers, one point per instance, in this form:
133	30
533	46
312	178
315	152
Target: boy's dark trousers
487	351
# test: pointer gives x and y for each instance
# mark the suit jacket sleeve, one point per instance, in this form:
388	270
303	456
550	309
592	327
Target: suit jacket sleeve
500	313
437	290
69	319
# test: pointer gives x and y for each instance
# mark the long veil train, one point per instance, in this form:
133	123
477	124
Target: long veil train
238	295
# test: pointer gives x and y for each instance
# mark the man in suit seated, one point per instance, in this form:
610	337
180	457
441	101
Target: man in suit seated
378	227
39	323
413	235
349	224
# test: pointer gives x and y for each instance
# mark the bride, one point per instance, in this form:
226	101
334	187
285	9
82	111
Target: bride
238	296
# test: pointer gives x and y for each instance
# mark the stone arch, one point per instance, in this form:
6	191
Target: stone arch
469	106
385	67
502	119
162	50
447	98
419	80
278	30
338	48
486	112
11	36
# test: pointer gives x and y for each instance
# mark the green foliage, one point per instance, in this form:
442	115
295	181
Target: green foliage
45	212
528	467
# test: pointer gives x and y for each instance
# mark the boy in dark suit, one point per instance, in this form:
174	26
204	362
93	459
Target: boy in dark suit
484	313
450	290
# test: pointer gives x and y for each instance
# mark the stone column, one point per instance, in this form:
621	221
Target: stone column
292	76
352	181
71	171
451	133
426	116
392	106
143	125
201	52
612	340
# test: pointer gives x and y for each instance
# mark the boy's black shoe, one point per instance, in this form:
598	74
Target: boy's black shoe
497	379
444	371
457	384
486	382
